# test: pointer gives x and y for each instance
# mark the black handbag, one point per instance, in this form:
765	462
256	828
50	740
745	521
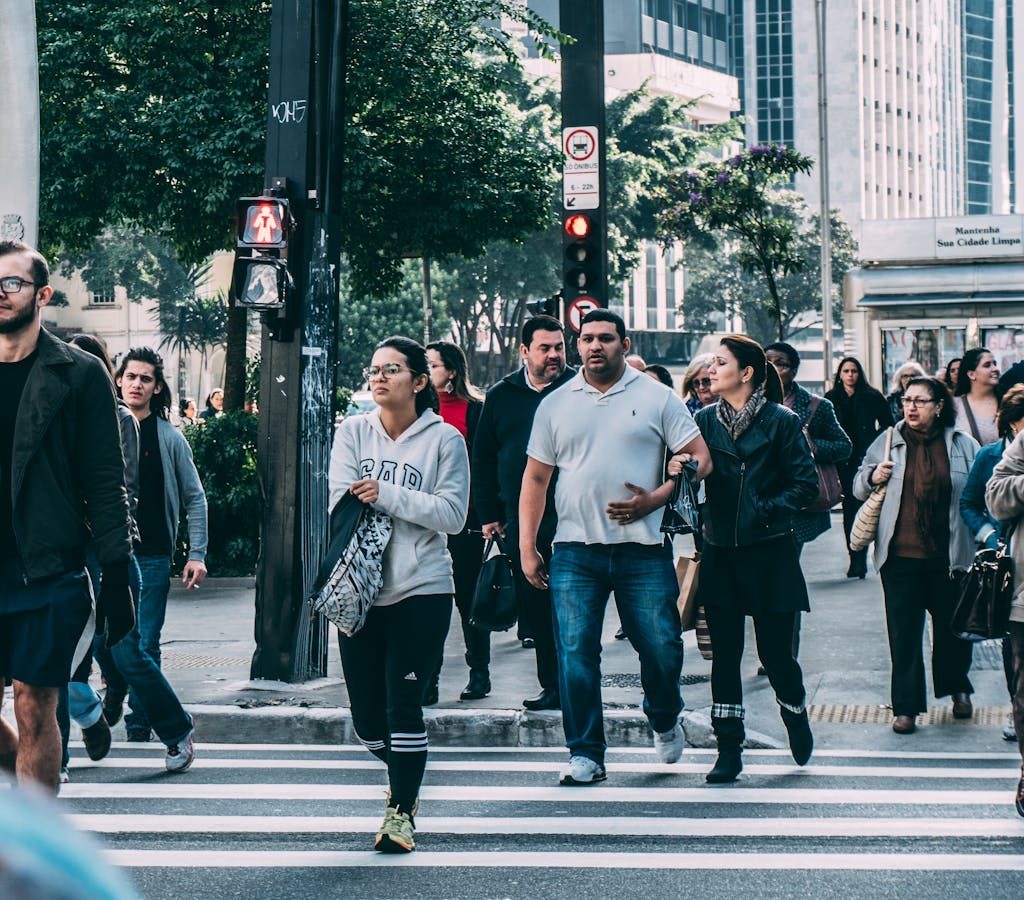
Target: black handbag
983	610
682	514
344	518
495	607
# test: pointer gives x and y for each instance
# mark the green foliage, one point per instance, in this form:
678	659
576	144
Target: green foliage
439	159
732	201
717	278
252	377
152	113
225	455
366	320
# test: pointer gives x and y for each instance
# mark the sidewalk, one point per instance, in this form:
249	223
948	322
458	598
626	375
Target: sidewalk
208	645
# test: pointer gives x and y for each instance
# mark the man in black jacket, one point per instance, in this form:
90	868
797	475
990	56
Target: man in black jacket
61	486
499	460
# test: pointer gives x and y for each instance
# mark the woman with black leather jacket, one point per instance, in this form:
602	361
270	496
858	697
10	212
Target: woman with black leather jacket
763	475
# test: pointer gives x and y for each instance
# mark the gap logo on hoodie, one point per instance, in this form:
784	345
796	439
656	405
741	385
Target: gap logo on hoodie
387	471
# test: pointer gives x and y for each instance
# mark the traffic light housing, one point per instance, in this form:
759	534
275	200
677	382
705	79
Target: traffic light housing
550	306
261	279
581	266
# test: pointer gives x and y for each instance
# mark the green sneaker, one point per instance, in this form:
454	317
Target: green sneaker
396	833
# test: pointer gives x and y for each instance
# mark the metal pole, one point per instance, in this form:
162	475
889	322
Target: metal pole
428	306
824	213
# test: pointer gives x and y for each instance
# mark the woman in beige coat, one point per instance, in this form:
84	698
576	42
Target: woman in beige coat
1004	498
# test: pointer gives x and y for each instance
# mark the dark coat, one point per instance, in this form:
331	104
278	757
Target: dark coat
863	416
499	449
67	471
758	484
830	444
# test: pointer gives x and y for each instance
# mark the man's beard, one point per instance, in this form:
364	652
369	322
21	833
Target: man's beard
20	322
541	375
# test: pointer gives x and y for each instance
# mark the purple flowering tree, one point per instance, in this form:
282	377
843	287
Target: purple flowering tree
732	201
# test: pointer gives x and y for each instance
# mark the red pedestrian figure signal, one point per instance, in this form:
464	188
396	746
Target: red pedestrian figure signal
577	227
263	225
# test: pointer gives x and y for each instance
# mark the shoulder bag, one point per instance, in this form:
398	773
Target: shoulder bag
495	607
982	611
830	490
357	576
865	525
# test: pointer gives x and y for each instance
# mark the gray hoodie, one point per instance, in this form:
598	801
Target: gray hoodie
424	487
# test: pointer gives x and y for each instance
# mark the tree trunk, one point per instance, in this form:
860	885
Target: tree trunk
234	358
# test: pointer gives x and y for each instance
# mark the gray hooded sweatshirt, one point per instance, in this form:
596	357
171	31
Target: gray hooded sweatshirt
424	487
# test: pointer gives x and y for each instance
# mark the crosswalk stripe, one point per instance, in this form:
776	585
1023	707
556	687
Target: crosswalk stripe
561	751
503	766
493	793
620	825
897	862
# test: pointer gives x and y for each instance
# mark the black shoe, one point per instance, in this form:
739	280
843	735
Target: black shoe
528	643
620	635
97	739
113	707
761	670
1018	800
801	741
857	570
479	685
727	767
546	699
140	735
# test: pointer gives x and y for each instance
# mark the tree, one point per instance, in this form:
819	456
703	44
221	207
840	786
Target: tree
732	201
649	138
717	278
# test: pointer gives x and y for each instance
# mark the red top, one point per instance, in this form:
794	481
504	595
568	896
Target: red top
453	410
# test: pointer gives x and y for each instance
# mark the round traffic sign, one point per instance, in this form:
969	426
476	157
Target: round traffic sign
578	309
580	145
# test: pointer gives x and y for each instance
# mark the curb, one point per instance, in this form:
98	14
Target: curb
446	727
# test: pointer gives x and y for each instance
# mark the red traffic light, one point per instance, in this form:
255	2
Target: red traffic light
577	226
264	223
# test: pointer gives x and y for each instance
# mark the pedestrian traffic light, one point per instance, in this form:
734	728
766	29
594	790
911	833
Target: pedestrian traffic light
581	267
261	277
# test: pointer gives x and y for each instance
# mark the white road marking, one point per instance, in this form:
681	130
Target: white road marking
530	751
731	794
890	862
620	825
503	766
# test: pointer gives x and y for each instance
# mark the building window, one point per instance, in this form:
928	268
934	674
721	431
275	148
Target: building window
652	287
102	298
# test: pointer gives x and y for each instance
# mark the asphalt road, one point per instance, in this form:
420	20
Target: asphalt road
279	821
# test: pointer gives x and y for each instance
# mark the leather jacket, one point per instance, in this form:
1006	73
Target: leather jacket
758	483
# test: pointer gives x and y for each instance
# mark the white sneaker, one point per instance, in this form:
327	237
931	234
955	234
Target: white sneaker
65	775
1009	731
582	770
669	744
180	756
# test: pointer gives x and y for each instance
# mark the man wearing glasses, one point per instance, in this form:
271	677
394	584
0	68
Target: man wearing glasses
61	485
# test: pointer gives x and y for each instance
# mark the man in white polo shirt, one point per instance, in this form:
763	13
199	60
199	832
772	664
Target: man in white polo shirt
606	432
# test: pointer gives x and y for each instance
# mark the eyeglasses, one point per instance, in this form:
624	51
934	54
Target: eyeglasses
14	284
702	382
388	370
916	401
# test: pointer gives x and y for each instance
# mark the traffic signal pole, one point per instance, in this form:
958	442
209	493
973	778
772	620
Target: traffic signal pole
305	126
584	196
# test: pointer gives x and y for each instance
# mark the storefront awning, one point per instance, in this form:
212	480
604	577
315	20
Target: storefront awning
936	298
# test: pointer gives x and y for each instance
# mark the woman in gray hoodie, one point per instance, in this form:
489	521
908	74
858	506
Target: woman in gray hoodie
403	460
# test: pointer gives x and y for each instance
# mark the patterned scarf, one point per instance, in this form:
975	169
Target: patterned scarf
736	422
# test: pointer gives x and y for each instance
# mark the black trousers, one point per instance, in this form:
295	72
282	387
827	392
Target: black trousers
535	611
386	666
1016	641
467	548
774	635
913	587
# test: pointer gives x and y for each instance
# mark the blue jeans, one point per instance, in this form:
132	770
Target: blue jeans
156	585
644	582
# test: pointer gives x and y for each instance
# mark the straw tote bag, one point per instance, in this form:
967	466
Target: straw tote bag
865	525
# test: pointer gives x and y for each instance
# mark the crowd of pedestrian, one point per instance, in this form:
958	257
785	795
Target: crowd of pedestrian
566	470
